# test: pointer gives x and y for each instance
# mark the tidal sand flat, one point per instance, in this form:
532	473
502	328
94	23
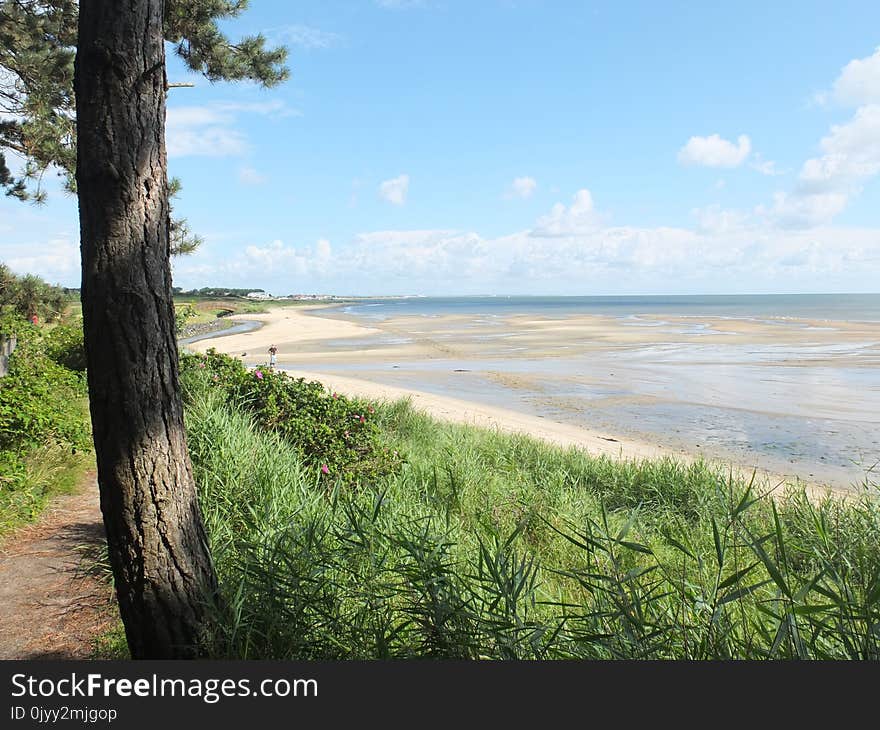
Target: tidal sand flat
759	382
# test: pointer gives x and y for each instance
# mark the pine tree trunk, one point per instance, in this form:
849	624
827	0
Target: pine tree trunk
158	549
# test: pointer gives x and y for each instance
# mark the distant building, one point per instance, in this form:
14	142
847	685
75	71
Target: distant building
312	297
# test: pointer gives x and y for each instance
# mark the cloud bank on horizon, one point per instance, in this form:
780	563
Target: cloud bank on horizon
790	240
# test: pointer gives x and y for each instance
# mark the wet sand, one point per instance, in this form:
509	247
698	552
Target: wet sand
793	398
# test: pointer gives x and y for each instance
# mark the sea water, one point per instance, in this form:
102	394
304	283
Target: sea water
837	307
818	419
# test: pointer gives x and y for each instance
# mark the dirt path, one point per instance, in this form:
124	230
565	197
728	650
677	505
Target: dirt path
51	607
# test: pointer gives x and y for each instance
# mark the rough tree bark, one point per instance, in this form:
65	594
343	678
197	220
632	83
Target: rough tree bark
158	549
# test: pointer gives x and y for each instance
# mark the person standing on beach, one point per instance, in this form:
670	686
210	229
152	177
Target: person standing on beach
273	356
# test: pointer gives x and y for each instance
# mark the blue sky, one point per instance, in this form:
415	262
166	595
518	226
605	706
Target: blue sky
526	147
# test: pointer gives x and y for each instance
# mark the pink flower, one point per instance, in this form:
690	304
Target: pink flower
325	469
335	395
259	374
363	420
201	365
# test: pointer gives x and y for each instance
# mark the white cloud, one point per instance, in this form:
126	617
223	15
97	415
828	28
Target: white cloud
726	251
292	267
194	131
272	256
395	190
825	185
858	83
714	151
765	167
210	131
851	153
522	187
614	258
323	250
715	219
803	210
732	246
580	216
251	177
56	260
418	252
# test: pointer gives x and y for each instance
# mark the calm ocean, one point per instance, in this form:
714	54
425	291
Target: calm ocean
808	404
850	307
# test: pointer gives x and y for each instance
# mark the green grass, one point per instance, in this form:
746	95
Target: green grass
29	481
111	645
495	546
209	308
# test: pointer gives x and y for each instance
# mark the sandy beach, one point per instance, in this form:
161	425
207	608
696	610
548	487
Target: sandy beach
286	327
523	374
293	329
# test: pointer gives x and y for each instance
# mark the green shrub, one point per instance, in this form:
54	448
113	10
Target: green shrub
29	296
183	313
40	400
44	423
334	434
65	346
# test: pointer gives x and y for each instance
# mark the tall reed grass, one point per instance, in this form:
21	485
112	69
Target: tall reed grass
501	547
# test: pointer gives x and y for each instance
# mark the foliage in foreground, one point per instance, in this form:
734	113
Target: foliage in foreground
493	546
335	435
41	400
44	424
